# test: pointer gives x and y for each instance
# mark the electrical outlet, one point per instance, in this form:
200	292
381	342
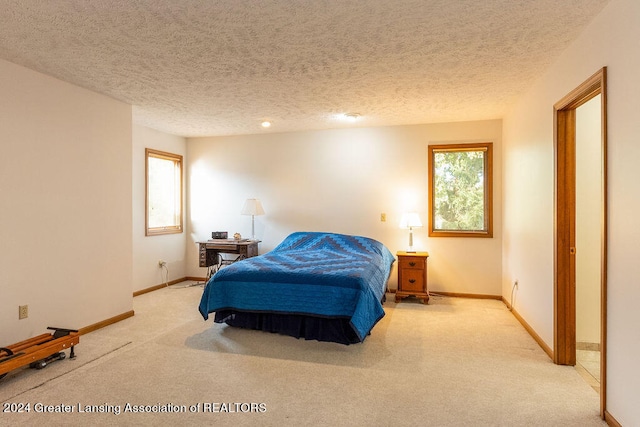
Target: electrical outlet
161	263
383	217
23	311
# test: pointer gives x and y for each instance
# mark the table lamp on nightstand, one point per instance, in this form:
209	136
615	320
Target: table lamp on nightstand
410	220
252	207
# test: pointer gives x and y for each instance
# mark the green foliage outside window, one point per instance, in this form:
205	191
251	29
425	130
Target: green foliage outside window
460	190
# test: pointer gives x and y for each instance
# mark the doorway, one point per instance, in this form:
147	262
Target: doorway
569	257
588	211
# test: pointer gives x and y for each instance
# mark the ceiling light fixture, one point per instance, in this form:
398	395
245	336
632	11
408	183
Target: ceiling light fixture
352	117
266	124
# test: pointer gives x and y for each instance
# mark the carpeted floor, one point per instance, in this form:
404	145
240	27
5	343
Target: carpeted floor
454	362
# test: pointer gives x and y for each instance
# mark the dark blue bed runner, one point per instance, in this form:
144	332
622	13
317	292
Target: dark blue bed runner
319	274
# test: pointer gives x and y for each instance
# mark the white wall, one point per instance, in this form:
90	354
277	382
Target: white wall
610	40
65	205
588	220
148	250
340	181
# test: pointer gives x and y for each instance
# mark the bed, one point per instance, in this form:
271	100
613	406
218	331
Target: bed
320	286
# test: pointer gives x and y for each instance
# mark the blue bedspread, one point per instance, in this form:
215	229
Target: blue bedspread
309	273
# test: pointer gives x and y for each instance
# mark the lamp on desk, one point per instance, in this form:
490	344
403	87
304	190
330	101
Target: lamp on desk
252	207
410	220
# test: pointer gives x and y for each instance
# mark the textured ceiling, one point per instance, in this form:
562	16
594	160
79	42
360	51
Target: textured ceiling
220	67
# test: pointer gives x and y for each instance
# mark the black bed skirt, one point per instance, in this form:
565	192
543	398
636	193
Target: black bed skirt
299	326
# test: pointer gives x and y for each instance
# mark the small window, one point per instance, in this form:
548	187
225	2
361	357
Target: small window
163	193
460	190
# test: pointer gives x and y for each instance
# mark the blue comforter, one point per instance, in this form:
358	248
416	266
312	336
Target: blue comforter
309	273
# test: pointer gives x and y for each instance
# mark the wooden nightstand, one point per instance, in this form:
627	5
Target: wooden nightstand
412	275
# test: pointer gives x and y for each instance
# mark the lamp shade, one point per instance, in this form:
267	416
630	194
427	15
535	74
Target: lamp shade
410	220
252	207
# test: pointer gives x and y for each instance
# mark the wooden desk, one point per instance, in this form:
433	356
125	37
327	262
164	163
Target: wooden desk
209	251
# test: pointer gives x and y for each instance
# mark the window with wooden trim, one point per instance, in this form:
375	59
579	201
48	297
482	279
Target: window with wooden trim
163	193
461	190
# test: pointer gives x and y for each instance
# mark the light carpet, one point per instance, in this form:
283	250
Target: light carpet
453	362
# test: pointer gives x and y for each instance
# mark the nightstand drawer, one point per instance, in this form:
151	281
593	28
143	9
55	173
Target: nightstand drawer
412	275
412	262
412	280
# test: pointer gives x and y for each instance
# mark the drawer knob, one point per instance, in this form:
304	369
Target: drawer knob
412	264
412	280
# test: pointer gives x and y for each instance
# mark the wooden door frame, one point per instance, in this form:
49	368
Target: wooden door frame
564	230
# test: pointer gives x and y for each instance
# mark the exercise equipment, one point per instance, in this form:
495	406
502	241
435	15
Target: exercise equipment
39	351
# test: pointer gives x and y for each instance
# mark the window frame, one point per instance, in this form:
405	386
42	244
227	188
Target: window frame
487	147
168	229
